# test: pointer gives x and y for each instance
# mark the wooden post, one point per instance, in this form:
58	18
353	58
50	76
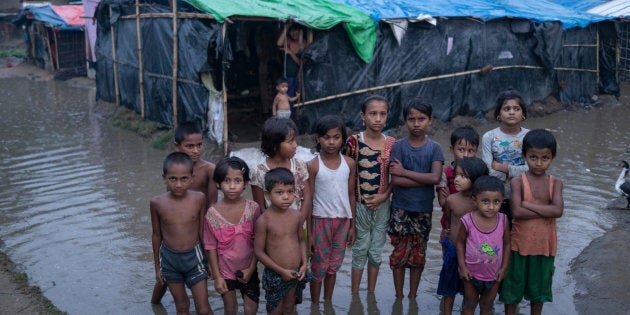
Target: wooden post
175	64
55	56
140	63
225	98
597	60
115	61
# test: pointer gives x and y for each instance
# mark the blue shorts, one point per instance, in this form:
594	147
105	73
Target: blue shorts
187	267
450	284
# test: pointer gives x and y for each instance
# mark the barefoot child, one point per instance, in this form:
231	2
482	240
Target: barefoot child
279	245
189	140
468	169
416	167
536	203
370	149
281	107
483	246
229	238
177	222
279	145
332	177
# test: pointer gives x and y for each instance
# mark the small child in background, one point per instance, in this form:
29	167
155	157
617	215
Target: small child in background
536	203
279	245
229	238
370	149
332	177
464	143
416	167
468	169
278	143
177	223
281	107
483	247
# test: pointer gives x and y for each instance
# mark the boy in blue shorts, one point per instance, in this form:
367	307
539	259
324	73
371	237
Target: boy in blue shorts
536	202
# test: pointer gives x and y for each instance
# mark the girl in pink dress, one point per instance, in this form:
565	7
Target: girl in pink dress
228	237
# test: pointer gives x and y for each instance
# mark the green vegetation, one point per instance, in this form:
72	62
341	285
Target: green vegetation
127	119
20	53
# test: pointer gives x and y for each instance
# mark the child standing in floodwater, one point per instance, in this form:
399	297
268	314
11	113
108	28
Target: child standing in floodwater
536	203
332	177
501	147
278	143
229	238
177	223
279	245
468	169
370	149
483	247
416	167
189	140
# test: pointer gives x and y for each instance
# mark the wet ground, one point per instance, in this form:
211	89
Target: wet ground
74	205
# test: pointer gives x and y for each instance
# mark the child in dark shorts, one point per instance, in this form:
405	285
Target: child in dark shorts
483	246
177	223
229	238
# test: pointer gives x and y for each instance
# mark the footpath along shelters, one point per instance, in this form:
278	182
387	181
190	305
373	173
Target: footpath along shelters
54	37
456	54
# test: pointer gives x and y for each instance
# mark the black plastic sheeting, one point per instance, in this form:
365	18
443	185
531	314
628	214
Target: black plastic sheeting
332	67
194	37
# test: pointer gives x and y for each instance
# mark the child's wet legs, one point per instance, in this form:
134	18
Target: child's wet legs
399	281
182	303
200	296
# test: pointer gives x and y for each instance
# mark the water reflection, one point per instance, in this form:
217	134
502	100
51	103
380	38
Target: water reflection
74	205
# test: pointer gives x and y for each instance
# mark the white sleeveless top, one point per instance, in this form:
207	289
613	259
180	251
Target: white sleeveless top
330	199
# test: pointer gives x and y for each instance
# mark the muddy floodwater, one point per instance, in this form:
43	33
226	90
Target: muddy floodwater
75	191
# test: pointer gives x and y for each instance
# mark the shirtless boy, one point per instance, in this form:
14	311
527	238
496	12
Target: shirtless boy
177	222
279	245
281	107
189	140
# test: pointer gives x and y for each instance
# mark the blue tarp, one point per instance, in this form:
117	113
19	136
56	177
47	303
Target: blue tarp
47	15
580	5
535	10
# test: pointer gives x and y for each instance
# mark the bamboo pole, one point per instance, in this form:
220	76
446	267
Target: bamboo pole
140	63
44	31
225	96
175	64
56	65
437	77
170	16
116	88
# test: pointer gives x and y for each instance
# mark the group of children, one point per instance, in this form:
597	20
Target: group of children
355	192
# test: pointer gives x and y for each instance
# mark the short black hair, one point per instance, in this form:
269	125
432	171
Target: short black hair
540	139
329	122
279	175
230	162
185	129
177	158
274	132
370	98
465	133
418	104
504	96
473	167
488	183
281	80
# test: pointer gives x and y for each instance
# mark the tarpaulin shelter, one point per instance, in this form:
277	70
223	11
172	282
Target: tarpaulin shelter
400	49
54	34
